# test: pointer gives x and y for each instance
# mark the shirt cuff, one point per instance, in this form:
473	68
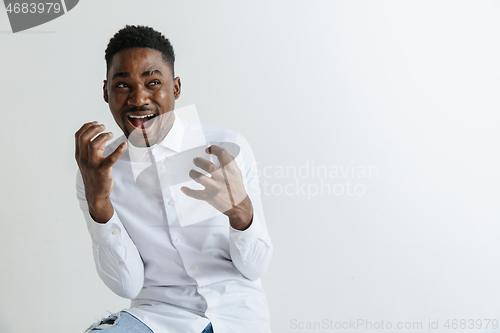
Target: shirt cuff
111	232
248	235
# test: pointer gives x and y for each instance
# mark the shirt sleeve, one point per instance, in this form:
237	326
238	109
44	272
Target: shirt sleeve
250	249
116	257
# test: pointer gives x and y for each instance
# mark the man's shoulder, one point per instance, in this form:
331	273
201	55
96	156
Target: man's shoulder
211	133
215	133
201	134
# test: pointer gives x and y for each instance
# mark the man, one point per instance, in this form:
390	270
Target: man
183	274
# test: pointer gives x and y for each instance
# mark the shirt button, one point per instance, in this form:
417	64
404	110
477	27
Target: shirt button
202	287
115	232
162	167
121	263
192	268
211	315
170	203
238	239
247	260
178	239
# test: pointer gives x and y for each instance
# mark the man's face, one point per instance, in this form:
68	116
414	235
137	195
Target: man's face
141	94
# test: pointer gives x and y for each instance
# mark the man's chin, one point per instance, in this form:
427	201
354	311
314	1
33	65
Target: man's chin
142	140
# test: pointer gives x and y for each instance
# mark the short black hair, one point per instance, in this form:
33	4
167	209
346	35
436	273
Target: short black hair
139	36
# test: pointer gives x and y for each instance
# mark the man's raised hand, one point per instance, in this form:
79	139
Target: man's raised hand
96	169
224	190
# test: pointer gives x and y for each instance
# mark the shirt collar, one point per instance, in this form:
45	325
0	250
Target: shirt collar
172	143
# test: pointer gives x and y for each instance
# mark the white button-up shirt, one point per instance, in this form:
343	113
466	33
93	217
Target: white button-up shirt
178	259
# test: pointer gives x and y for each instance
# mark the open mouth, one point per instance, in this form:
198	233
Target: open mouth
141	121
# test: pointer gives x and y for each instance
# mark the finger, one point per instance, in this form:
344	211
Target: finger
78	133
222	155
83	128
201	178
115	155
228	187
204	164
196	194
84	138
96	147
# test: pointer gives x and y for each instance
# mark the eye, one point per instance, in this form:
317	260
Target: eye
121	85
154	83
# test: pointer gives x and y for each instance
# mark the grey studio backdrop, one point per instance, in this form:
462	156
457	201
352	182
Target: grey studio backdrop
376	129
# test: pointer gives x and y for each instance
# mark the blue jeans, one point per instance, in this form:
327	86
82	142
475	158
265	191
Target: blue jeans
124	322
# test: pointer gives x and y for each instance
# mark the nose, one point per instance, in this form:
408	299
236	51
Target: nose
139	96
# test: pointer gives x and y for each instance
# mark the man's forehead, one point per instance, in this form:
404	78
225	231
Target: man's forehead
139	59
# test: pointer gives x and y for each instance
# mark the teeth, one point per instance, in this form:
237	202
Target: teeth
146	116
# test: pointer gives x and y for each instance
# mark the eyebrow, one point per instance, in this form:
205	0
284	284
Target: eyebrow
127	74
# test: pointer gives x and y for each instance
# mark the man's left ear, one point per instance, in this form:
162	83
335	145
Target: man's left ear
177	87
105	91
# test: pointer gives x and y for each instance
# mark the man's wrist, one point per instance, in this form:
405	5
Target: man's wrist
101	210
240	224
241	216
